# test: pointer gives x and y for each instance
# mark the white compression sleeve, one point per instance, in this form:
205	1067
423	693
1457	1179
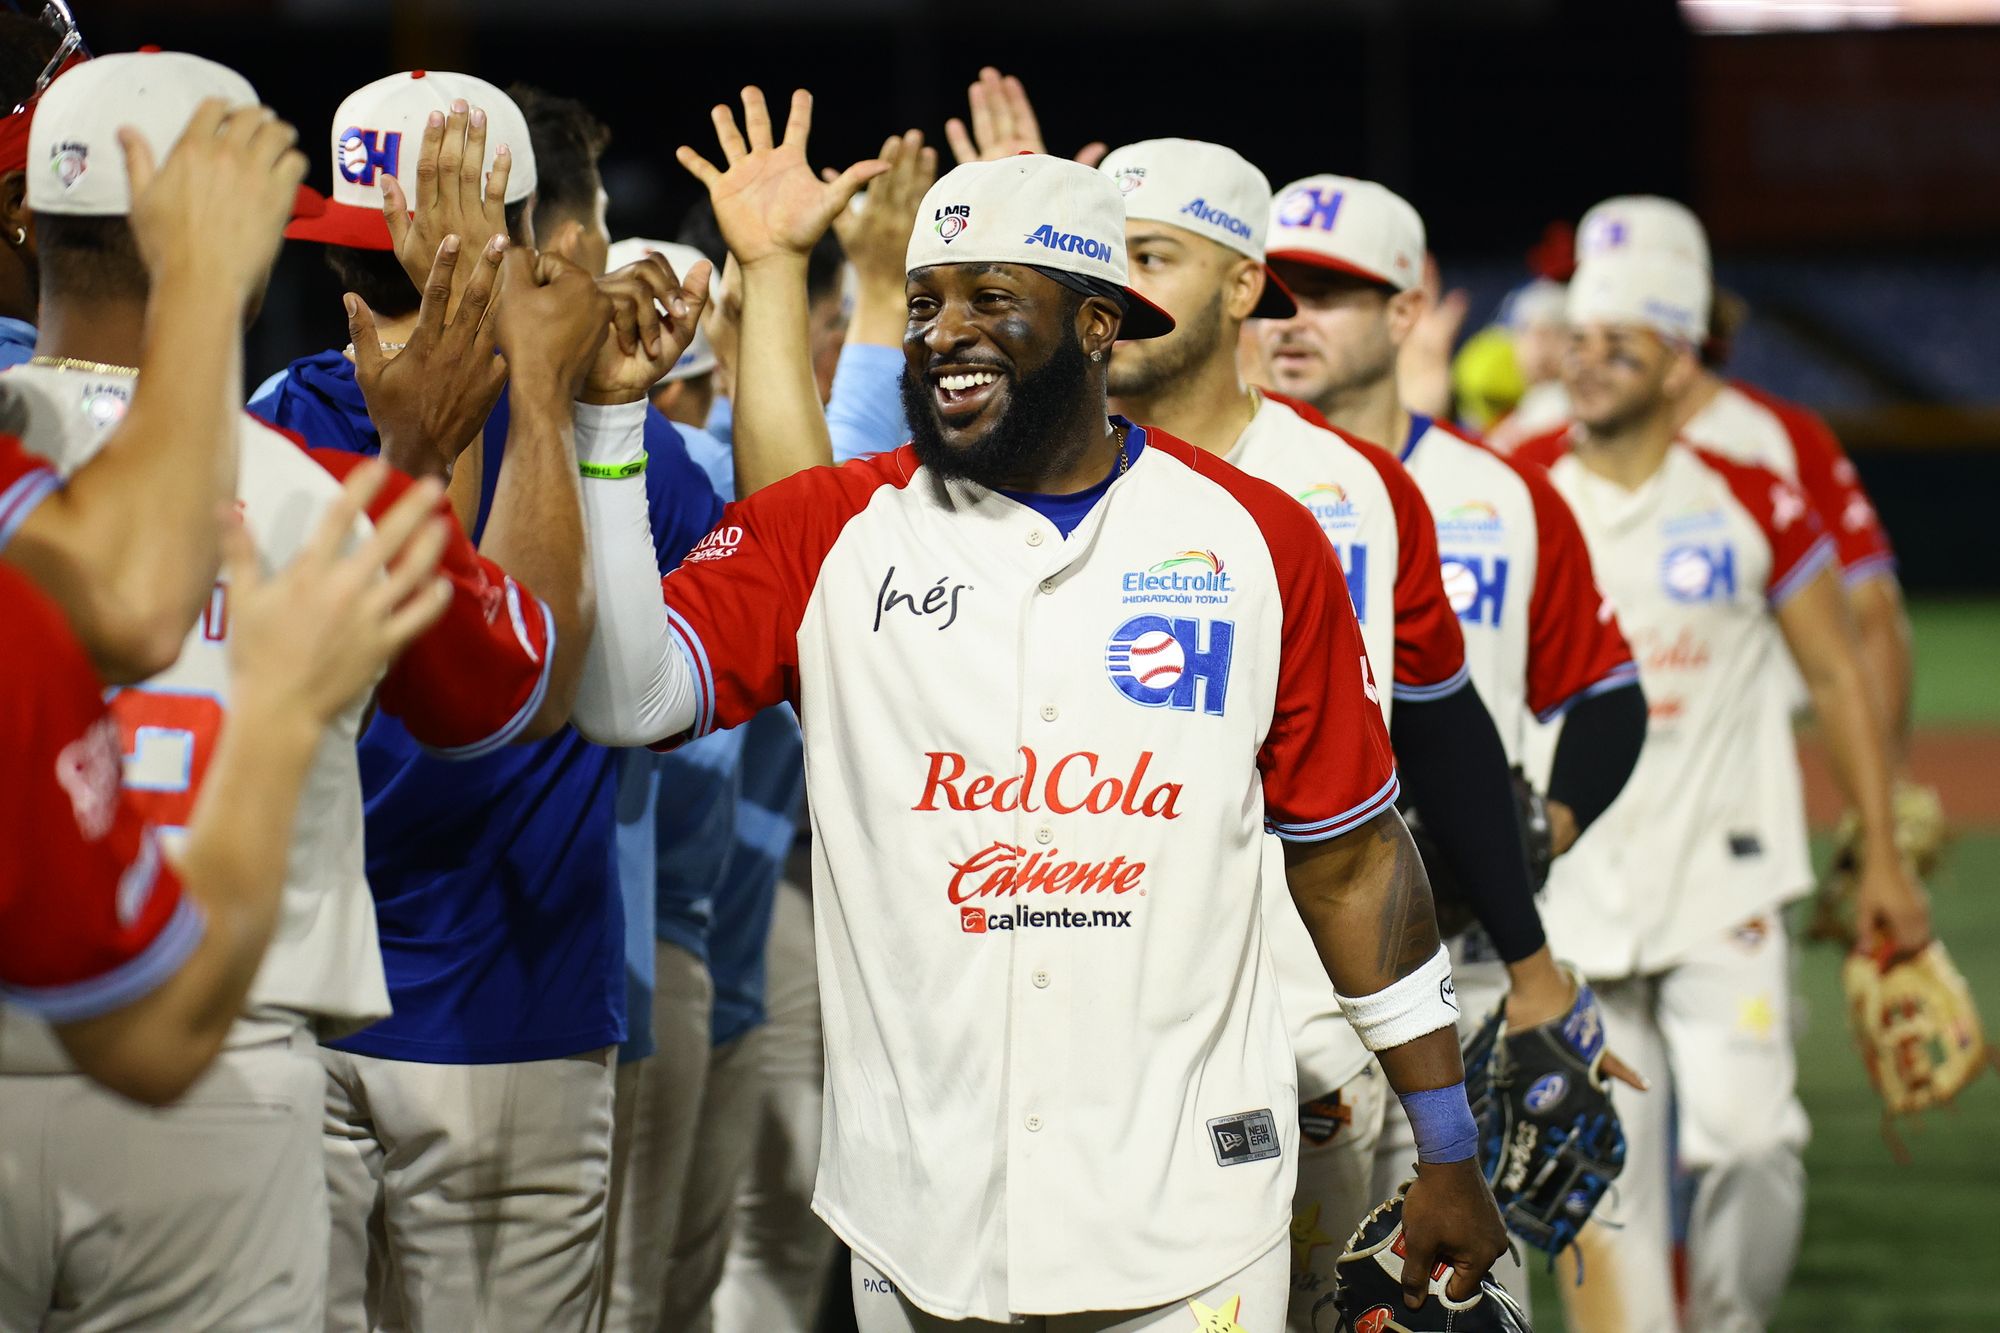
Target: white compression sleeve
1411	1007
637	686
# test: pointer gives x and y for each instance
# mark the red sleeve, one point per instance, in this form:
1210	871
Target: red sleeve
91	915
1542	451
1574	646
1325	761
471	682
25	481
1829	480
1800	547
1430	649
736	601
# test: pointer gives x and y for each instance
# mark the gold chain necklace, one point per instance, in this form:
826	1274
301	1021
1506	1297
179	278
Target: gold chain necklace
76	363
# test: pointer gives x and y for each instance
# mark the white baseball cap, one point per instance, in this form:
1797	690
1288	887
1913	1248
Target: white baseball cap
1045	212
1349	226
75	165
1540	302
1206	189
1664	292
376	133
1642	222
699	358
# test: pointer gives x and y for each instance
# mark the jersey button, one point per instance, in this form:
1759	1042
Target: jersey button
1048	585
1035	537
1034	1124
1041	979
1049	713
1045	835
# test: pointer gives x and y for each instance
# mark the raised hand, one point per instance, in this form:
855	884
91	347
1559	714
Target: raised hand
216	209
551	322
305	641
875	232
1423	364
452	199
654	315
1003	124
769	202
432	400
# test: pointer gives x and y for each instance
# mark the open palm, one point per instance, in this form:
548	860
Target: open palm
769	201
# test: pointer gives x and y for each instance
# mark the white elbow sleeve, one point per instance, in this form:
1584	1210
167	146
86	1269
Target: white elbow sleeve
636	686
1412	1007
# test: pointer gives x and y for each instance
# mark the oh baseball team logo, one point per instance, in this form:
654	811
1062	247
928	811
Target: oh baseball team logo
365	152
1157	662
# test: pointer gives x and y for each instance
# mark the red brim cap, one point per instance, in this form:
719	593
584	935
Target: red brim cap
1277	302
317	218
1143	320
1313	259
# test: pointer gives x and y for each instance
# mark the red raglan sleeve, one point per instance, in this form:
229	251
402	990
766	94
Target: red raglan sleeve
735	603
1800	546
91	915
470	683
1430	649
1830	481
1575	648
25	481
1325	761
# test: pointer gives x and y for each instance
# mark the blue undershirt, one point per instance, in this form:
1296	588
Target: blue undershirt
1066	511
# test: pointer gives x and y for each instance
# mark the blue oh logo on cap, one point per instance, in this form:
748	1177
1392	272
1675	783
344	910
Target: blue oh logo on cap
1310	206
365	152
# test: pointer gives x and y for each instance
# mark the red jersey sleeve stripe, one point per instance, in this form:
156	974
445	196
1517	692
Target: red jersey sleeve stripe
514	726
134	979
704	672
1443	689
1817	557
19	500
1345	822
1618	677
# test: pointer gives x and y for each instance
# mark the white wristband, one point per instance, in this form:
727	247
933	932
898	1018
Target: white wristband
610	434
1412	1007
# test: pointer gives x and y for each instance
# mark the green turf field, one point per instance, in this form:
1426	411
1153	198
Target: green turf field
1892	1249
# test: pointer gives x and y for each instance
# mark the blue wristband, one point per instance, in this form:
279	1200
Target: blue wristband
1442	1120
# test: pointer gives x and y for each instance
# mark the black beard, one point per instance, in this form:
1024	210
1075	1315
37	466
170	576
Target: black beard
1039	407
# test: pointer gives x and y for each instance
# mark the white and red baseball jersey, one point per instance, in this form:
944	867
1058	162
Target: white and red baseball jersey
1710	830
1041	771
1538	634
470	680
1370	509
1748	425
92	917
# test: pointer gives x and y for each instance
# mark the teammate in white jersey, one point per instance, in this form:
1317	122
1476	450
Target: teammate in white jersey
1742	422
1057	676
1196	220
247	1247
1670	903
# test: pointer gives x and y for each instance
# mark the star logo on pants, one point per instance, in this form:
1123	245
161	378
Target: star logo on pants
1306	1237
1222	1319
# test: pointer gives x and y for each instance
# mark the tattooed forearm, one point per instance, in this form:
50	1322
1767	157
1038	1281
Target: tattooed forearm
1367	904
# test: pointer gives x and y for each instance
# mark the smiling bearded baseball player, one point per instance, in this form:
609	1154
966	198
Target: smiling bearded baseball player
1058	674
1670	903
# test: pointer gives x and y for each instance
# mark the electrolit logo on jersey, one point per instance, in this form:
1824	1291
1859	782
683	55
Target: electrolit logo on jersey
1329	504
1475	520
1309	206
1177	663
365	152
952	220
1476	587
1353	558
1187	578
1202	211
1694	572
1070	242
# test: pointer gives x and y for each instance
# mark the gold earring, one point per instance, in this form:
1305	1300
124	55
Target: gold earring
20	235
1097	356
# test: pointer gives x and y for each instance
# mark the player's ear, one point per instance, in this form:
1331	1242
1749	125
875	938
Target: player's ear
1683	369
1097	320
1403	312
1245	286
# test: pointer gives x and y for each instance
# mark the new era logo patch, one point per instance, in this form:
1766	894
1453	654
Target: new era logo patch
1249	1137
